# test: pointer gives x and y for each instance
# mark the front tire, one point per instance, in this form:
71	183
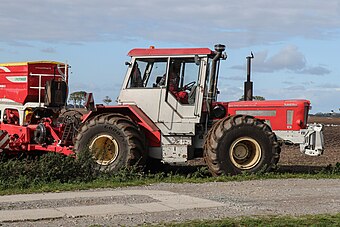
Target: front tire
239	144
113	140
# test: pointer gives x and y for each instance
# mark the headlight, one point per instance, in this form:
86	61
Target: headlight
219	111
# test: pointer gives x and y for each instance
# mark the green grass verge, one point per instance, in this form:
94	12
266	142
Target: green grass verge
53	172
275	221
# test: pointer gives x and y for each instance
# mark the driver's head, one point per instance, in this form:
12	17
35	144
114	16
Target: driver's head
176	66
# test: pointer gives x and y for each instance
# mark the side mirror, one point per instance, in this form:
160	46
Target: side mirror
89	102
128	63
197	60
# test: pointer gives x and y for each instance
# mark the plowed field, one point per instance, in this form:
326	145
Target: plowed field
291	158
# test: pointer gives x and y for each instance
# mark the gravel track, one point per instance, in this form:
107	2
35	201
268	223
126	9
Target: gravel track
75	202
248	198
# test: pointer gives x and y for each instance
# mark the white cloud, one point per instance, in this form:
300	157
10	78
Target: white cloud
99	90
288	82
229	92
289	58
240	23
329	86
295	88
237	78
19	44
319	96
317	70
49	50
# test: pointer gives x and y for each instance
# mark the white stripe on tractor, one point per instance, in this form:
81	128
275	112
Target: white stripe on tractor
4	140
5	69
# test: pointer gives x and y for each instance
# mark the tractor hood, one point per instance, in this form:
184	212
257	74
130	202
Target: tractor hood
280	114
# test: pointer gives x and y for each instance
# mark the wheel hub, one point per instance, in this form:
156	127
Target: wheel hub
245	153
240	151
104	149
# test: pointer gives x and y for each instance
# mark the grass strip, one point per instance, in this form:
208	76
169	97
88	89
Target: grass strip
273	221
54	172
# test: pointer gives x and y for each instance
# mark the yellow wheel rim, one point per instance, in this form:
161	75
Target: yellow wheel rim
245	153
104	149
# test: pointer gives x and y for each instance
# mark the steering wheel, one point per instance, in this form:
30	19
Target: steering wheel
188	86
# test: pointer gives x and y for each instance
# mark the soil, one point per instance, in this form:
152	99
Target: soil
292	159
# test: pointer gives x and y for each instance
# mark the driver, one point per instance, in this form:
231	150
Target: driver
174	76
174	79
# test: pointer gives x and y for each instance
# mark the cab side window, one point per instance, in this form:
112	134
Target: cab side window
183	79
147	73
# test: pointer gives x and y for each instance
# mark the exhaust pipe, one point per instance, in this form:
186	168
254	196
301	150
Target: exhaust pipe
219	48
248	85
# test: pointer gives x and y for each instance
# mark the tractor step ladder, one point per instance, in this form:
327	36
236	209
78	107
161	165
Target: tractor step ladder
176	148
66	133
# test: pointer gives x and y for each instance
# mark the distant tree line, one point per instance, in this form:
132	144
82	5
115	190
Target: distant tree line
256	97
77	99
331	114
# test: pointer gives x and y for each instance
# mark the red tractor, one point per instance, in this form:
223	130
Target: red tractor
167	110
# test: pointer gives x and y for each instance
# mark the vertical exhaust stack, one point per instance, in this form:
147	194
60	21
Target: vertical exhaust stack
219	48
248	85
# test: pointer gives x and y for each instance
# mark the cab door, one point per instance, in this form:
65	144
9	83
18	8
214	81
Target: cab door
181	104
171	99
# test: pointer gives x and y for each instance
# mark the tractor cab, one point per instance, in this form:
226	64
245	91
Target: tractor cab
171	86
174	88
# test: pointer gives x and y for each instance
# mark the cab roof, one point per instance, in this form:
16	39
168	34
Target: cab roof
169	51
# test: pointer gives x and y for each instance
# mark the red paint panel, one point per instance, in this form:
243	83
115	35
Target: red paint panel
24	135
19	85
275	112
149	128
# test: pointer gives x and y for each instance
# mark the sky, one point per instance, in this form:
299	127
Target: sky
295	43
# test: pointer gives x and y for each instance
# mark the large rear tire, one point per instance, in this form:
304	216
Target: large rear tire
239	144
113	140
